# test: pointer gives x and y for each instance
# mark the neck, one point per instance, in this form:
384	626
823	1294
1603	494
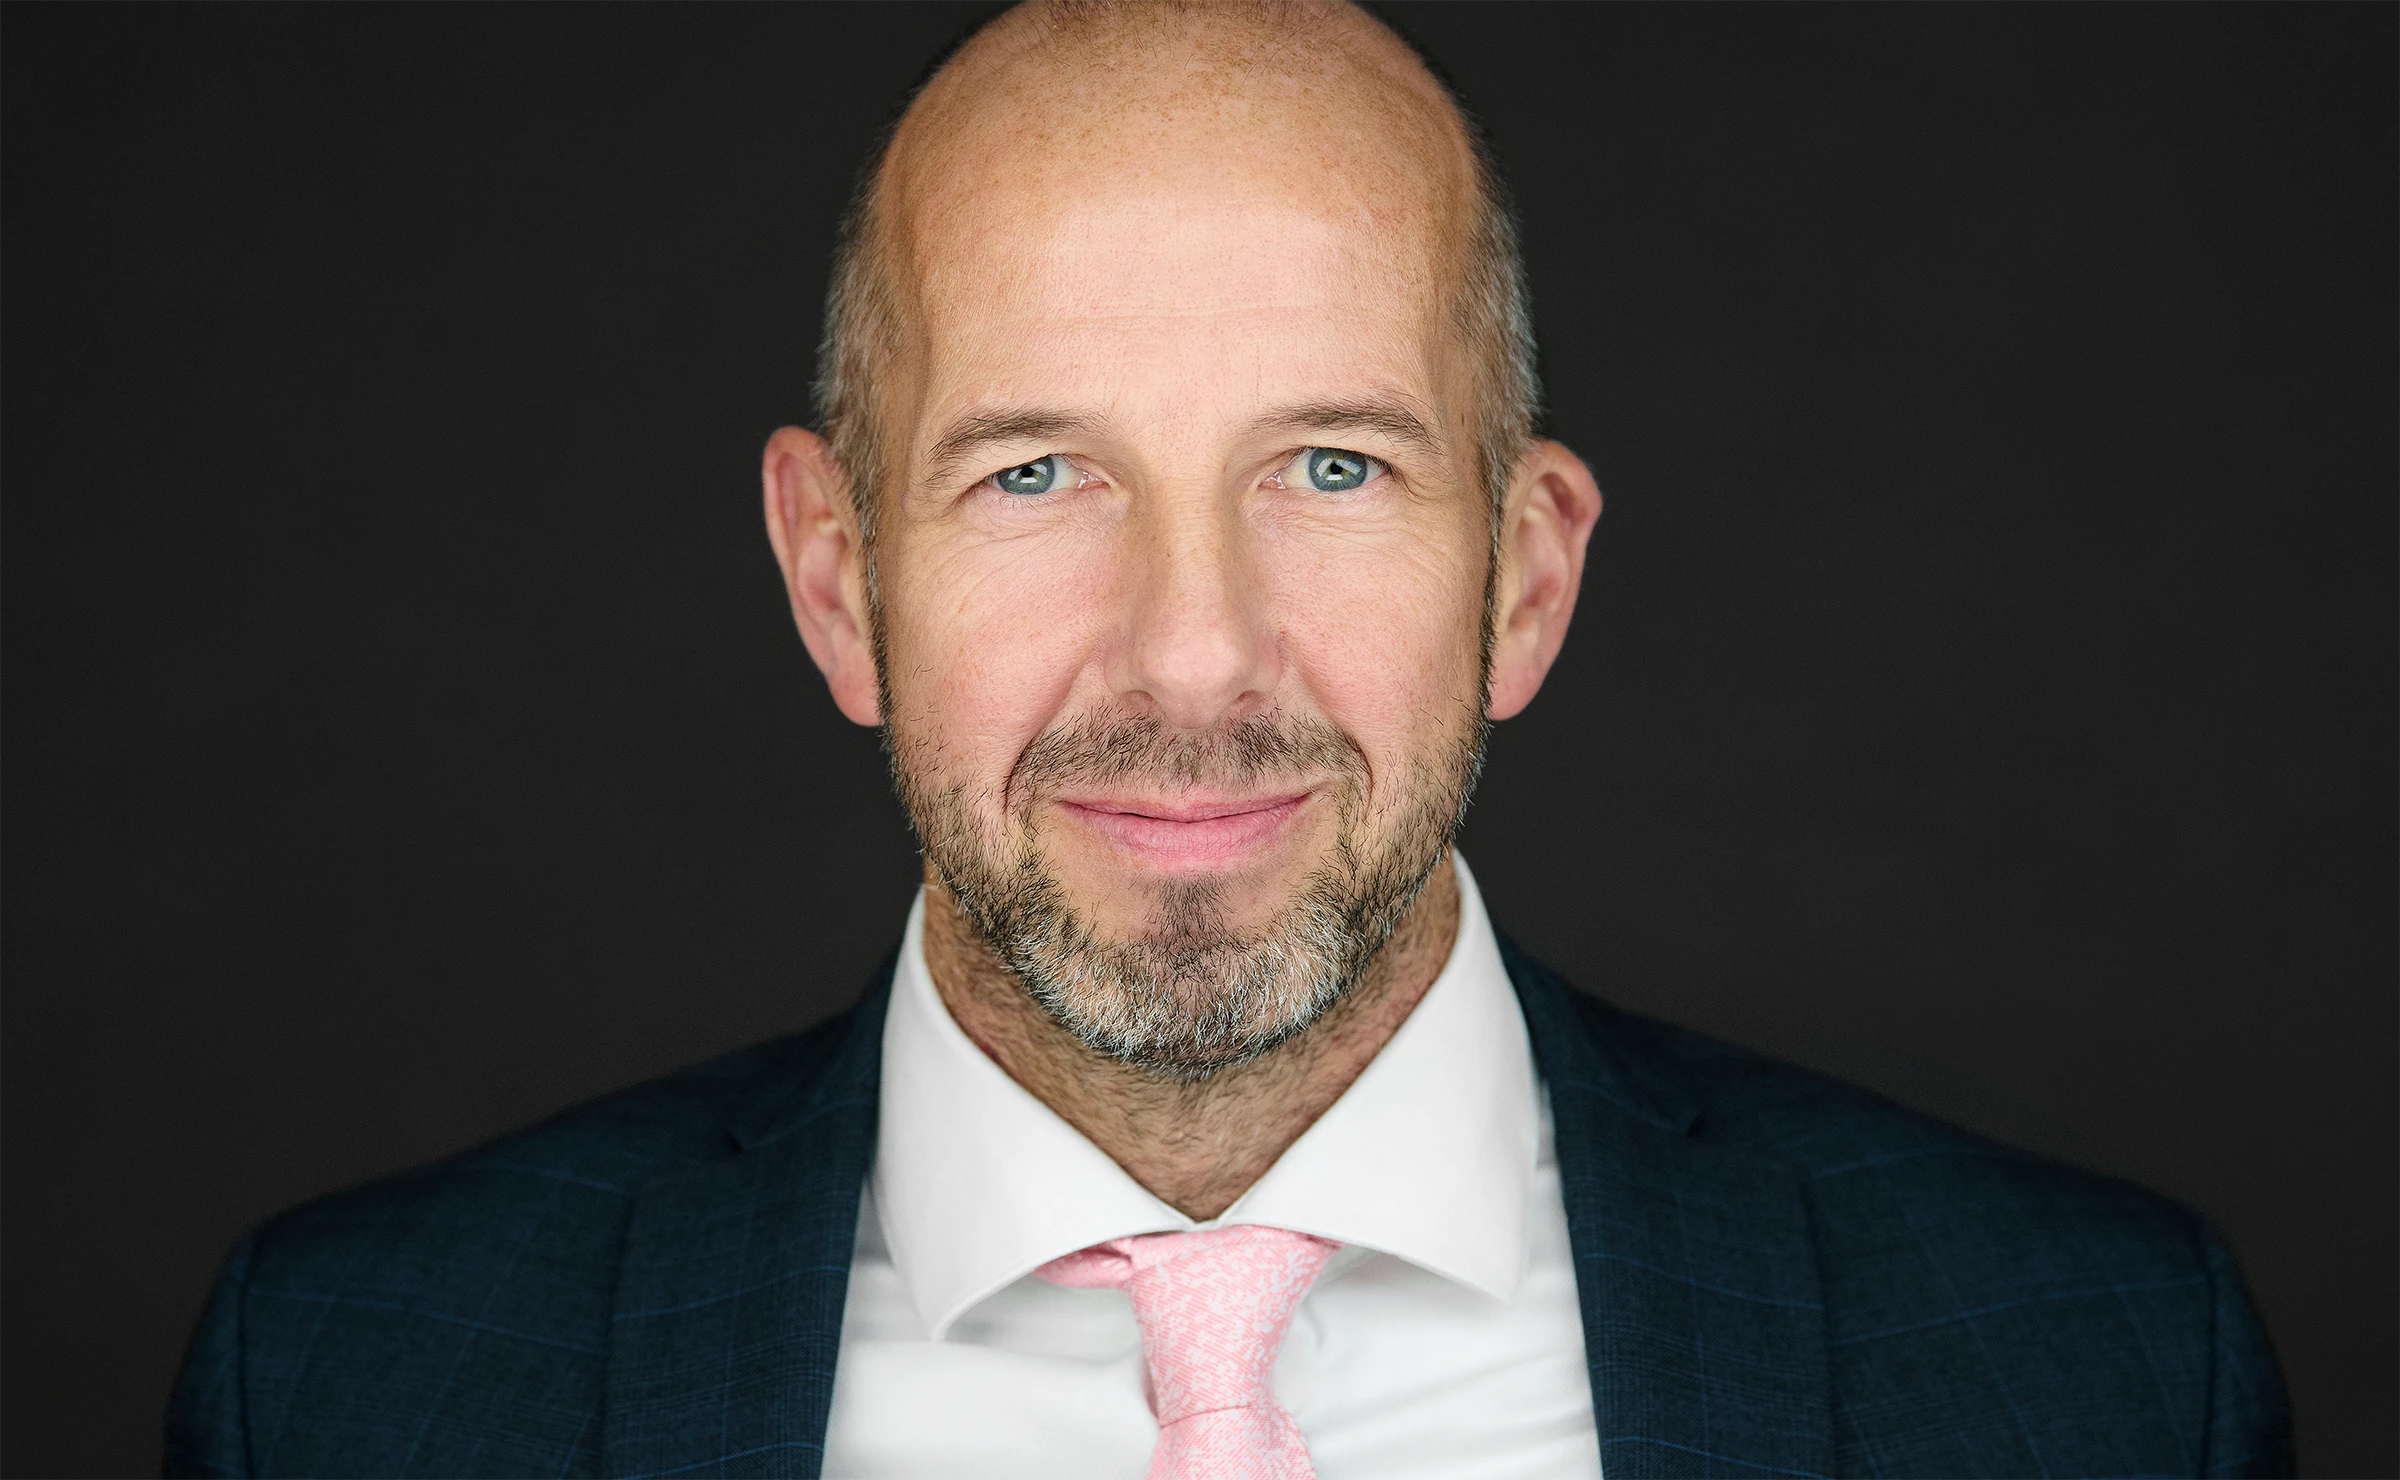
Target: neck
1196	1146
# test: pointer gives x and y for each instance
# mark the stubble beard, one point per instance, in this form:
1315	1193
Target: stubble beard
1190	997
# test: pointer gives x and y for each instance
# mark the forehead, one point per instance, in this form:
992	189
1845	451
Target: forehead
1133	275
1048	221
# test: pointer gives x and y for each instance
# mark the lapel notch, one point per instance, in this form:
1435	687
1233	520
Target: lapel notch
1703	1321
728	1315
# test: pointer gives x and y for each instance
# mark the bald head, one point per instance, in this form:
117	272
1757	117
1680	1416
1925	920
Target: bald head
1311	113
1180	356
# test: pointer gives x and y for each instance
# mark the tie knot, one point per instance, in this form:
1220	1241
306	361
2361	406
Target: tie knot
1213	1308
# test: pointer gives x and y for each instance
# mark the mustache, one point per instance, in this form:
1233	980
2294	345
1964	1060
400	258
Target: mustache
1106	749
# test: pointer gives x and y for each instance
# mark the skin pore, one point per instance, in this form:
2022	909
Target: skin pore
1147	667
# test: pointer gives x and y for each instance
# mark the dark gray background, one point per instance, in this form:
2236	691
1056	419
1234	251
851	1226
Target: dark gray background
1983	689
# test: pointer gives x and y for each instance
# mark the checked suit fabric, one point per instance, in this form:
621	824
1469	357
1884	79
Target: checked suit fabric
1778	1275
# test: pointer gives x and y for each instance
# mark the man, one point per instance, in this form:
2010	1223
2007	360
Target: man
1181	522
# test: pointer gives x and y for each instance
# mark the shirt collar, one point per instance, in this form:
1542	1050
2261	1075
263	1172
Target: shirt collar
1429	1155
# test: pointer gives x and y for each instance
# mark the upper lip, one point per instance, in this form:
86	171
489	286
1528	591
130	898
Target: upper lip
1199	808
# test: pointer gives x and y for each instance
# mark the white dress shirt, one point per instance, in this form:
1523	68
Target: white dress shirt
1443	1340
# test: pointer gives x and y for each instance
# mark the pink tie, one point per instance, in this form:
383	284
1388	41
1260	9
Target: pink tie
1213	1308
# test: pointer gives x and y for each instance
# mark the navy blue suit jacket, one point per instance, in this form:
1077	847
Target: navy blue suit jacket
1779	1275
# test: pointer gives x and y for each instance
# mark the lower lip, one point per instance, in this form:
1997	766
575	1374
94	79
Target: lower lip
1199	846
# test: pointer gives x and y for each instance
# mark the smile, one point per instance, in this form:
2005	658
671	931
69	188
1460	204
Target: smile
1192	834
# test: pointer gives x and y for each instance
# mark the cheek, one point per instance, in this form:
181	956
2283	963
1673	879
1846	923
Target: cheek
984	643
1385	637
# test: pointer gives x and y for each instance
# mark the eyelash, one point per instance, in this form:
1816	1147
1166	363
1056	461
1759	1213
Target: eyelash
1083	477
1374	468
1377	468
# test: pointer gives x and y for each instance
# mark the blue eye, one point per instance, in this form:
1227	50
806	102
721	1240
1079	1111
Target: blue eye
1042	475
1335	470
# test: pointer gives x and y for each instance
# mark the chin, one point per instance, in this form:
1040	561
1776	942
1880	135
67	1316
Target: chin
1190	908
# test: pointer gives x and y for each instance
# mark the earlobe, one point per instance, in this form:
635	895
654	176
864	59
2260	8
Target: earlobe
811	525
1552	507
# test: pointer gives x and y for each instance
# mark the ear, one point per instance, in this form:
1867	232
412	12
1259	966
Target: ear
814	529
1553	503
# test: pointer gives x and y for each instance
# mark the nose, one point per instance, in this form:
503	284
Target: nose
1200	646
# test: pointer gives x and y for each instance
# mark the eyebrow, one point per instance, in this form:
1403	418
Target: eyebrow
1389	416
981	429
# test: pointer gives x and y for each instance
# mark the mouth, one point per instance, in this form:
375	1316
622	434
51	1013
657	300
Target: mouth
1189	834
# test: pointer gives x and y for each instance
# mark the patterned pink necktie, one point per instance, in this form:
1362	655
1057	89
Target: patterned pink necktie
1213	1308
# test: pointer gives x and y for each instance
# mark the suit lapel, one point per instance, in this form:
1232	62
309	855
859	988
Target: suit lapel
1703	1323
1695	1267
729	1299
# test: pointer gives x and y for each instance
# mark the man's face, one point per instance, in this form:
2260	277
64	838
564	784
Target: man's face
1182	571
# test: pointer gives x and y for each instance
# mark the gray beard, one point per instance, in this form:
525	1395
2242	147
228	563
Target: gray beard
1189	998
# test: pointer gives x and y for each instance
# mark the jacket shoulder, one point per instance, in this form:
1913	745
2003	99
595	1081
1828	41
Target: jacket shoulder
592	1156
1846	1143
1839	1135
480	1285
1985	1306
